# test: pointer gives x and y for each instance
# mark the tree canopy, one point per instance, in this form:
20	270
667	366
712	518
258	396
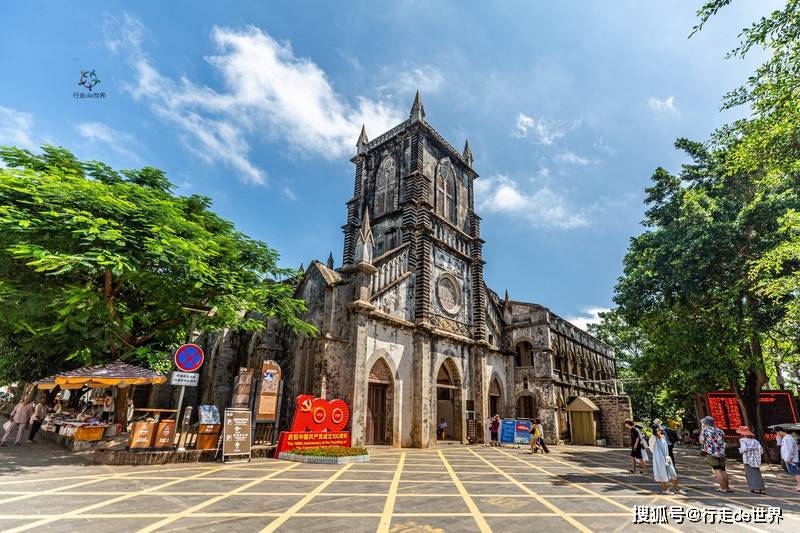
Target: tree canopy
711	287
98	264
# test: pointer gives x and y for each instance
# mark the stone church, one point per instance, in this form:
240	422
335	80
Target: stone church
410	334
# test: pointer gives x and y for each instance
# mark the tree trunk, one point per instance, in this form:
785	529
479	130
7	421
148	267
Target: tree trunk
121	408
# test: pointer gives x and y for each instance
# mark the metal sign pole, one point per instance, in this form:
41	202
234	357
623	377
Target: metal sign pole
178	413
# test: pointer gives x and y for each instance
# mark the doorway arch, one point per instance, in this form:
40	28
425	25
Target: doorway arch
495	397
380	402
527	406
448	402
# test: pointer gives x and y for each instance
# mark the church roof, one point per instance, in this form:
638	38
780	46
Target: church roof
330	276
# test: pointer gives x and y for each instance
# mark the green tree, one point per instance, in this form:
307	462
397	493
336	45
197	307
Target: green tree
97	264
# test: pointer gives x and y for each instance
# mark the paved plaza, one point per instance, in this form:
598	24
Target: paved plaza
452	488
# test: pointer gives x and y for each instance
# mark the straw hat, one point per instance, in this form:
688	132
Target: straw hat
744	431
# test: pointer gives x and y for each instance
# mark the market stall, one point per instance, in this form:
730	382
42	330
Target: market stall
102	409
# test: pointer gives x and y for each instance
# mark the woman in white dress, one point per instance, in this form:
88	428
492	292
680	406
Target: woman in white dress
663	469
751	451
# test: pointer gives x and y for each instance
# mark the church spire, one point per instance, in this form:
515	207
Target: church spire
329	264
417	110
365	242
362	139
467	153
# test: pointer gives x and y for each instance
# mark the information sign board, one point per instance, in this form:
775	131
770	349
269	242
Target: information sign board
187	379
236	433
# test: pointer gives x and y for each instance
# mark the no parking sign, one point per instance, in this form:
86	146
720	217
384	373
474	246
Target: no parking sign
189	357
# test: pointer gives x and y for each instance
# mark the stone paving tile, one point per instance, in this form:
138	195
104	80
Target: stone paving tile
355	474
423	504
529	523
246	503
546	489
272	485
206	485
407	487
505	504
423	476
223	524
344	504
346	486
330	524
433	524
144	504
493	488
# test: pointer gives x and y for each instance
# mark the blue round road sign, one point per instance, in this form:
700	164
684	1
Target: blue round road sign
189	357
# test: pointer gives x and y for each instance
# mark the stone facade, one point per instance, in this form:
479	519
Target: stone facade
409	332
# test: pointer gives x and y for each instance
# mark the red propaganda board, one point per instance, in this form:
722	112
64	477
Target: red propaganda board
317	423
777	407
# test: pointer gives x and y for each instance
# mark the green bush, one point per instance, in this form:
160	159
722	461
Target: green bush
333	451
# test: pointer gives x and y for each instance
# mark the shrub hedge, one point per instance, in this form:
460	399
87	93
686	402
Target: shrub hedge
333	451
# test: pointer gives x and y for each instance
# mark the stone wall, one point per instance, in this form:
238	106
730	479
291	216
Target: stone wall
613	412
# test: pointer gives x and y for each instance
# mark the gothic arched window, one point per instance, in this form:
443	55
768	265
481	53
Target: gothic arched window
446	191
385	197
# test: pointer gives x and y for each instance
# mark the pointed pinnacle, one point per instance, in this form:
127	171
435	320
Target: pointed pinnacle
467	153
330	261
506	297
417	110
363	137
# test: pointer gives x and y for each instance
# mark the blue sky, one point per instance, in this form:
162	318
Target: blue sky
568	106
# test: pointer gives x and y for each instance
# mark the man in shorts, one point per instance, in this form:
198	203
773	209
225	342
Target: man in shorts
789	454
712	444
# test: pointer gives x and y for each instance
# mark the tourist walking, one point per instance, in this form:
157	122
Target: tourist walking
751	451
540	441
535	434
636	447
663	469
39	412
20	416
712	445
789	454
494	428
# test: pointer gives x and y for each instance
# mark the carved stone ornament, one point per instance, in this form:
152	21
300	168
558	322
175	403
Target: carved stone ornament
448	292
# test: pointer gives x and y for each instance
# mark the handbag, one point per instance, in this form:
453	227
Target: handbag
7	425
645	457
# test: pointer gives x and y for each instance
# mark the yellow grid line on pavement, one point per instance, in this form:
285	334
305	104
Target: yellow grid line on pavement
536	495
388	507
473	508
580	486
112	500
704	494
203	505
275	524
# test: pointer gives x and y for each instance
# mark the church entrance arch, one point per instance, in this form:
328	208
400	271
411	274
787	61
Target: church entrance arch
495	397
448	402
526	406
379	404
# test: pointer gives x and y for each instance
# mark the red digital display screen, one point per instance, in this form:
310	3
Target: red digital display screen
777	407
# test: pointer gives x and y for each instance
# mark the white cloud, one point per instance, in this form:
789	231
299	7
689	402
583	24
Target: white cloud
120	142
542	206
588	315
568	156
545	132
16	128
427	78
666	105
267	90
